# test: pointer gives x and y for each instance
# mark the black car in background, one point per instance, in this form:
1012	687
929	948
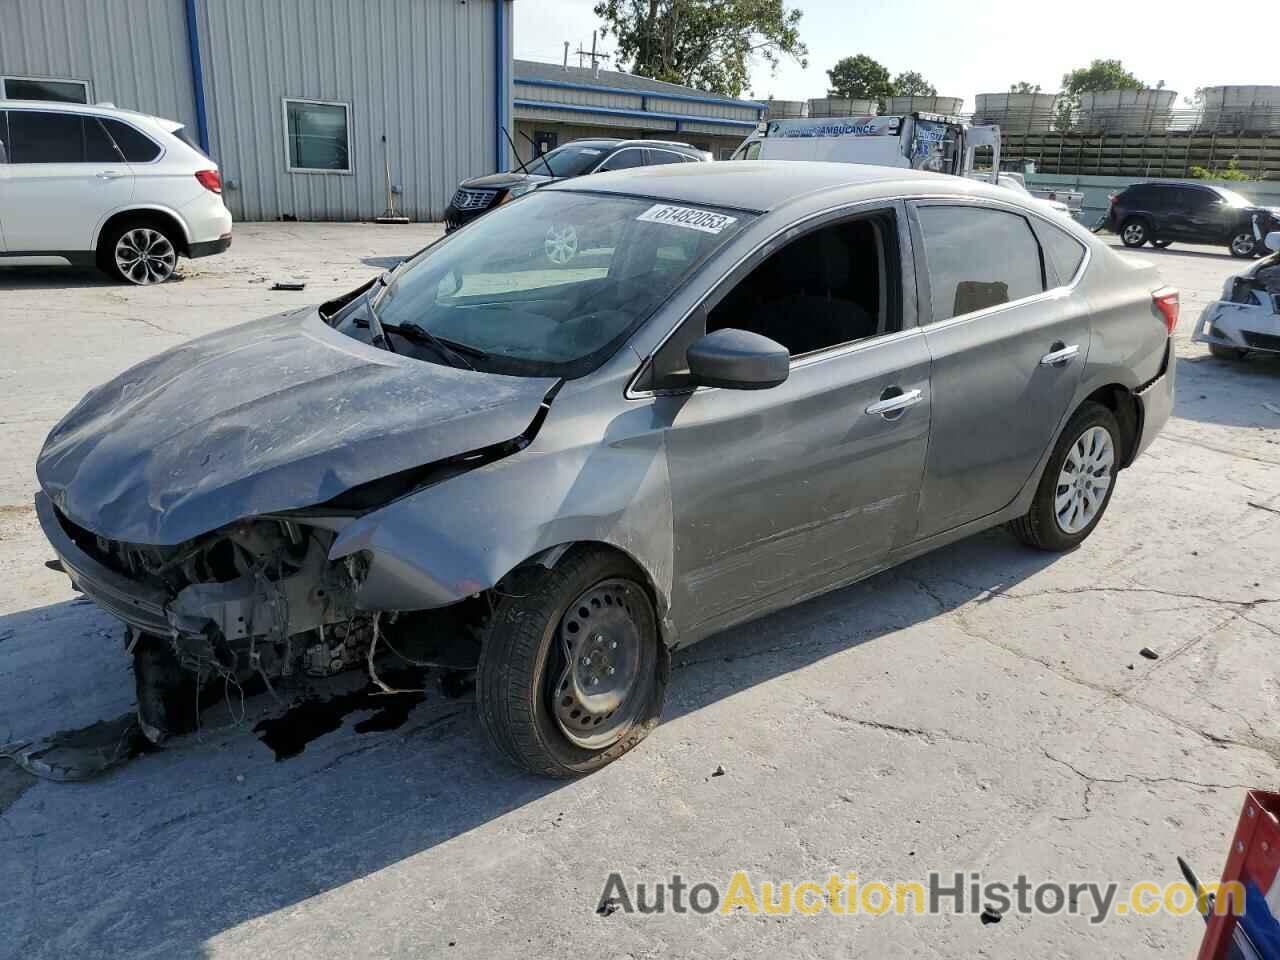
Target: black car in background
574	159
1160	212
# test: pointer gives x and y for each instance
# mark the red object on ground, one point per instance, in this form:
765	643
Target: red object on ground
1254	862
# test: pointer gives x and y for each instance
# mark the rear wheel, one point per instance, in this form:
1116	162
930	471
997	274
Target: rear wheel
1134	233
1077	482
1243	244
572	673
1227	353
140	252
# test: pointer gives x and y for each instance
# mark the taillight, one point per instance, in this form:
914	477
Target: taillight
210	180
1166	301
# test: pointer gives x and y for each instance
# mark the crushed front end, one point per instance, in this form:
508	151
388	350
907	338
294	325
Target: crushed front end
256	598
1248	315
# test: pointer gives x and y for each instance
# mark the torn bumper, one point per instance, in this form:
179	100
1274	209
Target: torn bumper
1156	400
1243	326
137	604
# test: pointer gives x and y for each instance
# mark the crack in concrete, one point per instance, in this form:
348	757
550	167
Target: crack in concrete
920	733
1069	591
1235	454
1263	506
1090	780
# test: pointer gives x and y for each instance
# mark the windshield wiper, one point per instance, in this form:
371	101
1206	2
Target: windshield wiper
452	352
379	336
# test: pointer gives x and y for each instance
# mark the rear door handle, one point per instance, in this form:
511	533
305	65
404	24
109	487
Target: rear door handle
1059	354
110	175
893	404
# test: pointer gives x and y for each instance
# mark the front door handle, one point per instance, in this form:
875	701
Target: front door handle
110	175
1059	355
895	403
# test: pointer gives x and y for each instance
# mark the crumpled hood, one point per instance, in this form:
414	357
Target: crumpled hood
503	181
271	415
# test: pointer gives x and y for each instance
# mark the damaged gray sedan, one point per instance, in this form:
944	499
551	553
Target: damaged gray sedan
750	384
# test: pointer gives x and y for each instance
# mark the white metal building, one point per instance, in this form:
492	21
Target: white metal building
555	104
302	103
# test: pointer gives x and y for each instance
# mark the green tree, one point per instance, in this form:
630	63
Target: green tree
1023	87
1097	76
707	44
912	84
859	78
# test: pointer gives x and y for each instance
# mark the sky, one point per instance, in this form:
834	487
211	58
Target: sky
973	47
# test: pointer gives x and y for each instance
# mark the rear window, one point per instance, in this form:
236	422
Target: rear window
978	258
181	134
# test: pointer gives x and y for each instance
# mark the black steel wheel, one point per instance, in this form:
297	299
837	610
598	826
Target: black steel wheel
572	670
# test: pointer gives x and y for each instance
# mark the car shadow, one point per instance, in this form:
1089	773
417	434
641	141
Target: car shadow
1230	393
53	278
202	837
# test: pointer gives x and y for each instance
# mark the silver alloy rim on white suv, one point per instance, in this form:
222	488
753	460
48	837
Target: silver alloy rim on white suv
1083	480
1242	244
145	256
1134	234
562	244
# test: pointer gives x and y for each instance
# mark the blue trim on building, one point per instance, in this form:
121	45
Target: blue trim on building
197	76
644	95
677	118
501	159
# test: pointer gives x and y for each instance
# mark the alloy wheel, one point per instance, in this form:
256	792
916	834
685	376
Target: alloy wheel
1134	234
1242	244
607	666
1084	480
145	256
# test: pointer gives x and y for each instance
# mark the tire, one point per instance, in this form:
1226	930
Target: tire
1161	244
1227	353
1133	232
524	684
1243	245
149	244
1041	527
168	696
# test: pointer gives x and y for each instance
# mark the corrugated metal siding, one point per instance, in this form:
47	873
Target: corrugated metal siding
420	72
132	52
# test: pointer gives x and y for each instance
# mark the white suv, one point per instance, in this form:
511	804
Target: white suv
97	185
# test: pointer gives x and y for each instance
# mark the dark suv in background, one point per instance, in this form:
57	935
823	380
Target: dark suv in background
1161	212
574	159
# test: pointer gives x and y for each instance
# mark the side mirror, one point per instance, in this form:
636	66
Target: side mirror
738	360
1272	241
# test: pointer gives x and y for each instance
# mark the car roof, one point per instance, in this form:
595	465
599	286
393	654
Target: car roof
764	185
59	106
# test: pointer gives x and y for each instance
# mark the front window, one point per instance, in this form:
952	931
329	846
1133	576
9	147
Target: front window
550	285
316	136
1233	198
571	160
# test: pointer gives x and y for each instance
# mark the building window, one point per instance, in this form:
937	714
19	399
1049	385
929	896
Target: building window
39	88
316	136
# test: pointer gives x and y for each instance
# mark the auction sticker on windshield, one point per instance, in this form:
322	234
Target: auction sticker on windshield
687	217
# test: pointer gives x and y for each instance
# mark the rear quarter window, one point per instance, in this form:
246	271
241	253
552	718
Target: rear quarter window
136	147
1063	254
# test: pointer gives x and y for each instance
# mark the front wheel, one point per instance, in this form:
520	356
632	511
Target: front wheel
1243	244
572	672
1227	353
1077	482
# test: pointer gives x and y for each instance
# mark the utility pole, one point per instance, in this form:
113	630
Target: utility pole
595	57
